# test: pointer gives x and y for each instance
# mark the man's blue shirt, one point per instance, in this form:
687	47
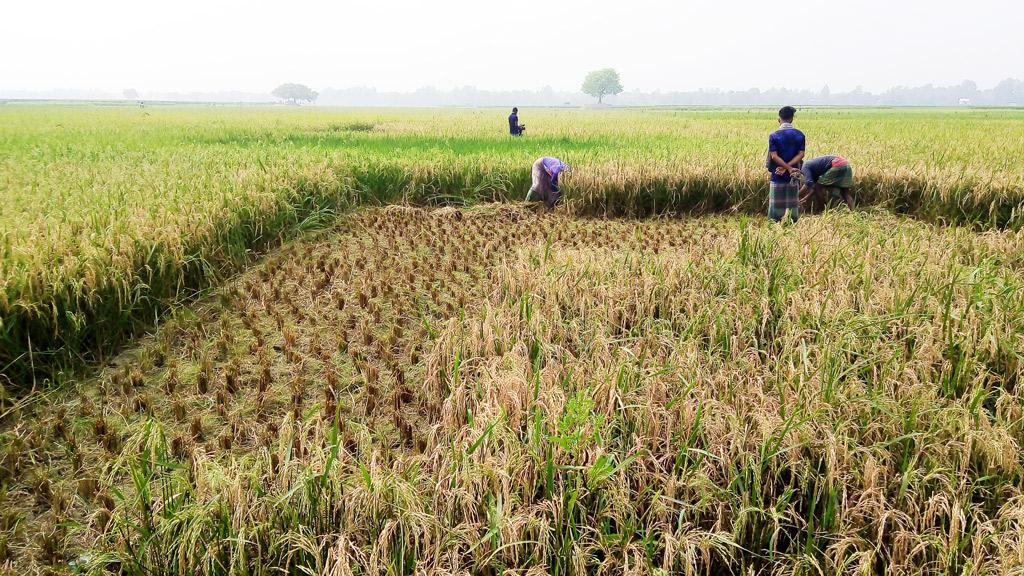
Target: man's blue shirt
787	142
513	124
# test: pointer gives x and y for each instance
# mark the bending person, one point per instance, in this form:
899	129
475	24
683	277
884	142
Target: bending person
833	174
545	180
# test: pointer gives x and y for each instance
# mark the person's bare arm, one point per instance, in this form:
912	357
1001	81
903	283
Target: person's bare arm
778	159
796	161
782	167
804	194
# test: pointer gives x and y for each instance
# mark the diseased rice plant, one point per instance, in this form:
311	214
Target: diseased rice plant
108	217
503	390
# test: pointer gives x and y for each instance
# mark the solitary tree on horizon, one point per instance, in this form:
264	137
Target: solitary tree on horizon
294	93
601	83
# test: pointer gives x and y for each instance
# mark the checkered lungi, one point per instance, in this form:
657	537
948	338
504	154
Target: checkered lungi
837	177
783	196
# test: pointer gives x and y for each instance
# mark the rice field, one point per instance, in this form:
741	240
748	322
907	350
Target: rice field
501	389
111	215
336	342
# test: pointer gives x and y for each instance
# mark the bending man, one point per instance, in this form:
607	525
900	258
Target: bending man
831	173
545	180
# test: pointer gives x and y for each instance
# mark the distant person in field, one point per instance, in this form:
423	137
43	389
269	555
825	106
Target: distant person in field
545	181
785	153
514	127
831	175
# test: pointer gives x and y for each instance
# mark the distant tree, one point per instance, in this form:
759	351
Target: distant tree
601	83
1009	91
968	87
294	93
130	94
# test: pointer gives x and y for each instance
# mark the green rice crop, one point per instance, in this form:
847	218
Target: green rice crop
110	215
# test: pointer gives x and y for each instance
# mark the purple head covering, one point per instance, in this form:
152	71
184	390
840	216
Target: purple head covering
554	167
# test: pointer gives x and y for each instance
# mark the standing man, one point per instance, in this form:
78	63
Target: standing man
831	173
545	180
785	153
514	128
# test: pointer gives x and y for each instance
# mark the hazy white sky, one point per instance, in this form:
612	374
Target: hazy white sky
252	45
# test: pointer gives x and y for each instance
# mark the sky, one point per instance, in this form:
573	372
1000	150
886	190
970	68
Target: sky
401	45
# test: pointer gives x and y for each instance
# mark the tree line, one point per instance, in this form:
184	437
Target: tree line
1009	92
602	86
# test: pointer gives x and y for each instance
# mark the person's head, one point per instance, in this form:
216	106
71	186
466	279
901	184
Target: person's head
515	110
786	114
